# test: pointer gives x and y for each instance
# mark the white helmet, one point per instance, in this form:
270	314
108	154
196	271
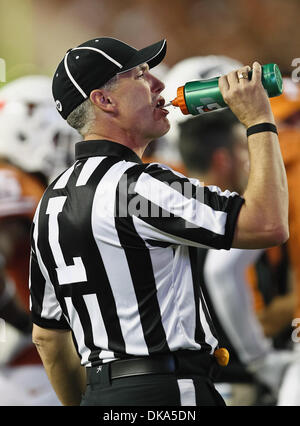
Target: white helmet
33	136
160	71
194	68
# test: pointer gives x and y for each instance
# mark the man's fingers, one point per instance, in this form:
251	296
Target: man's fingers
238	76
232	78
223	84
243	74
256	72
246	98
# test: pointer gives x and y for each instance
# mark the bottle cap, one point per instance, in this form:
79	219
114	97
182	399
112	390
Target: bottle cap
272	80
180	101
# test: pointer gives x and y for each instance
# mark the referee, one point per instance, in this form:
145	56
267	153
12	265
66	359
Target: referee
114	240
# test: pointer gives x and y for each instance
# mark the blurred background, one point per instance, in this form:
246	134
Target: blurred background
35	34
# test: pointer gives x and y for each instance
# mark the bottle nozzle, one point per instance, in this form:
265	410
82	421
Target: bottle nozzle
179	101
174	102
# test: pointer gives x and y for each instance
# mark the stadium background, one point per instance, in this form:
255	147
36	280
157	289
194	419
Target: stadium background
35	34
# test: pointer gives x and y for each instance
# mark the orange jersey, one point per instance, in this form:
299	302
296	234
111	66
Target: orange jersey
19	196
275	255
177	167
20	193
290	148
268	277
284	107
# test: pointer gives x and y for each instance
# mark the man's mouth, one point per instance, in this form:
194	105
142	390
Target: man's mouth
160	105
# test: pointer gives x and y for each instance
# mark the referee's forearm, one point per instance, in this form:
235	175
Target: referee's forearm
67	379
265	213
62	365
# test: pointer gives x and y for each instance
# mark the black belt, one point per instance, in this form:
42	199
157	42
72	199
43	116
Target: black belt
179	362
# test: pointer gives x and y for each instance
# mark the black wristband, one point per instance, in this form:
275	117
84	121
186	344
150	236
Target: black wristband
261	127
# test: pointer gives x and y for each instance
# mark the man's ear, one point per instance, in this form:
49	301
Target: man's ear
101	99
222	161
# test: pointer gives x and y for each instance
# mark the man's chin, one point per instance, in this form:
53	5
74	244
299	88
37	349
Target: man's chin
165	128
160	132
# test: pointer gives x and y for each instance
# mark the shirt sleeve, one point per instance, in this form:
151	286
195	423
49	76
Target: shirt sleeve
168	208
45	308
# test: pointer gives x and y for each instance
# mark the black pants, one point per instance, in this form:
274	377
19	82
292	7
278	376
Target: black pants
173	389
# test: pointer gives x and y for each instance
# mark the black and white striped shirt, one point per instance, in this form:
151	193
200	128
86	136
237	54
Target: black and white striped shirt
114	250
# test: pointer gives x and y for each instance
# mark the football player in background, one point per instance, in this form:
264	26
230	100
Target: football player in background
286	109
34	148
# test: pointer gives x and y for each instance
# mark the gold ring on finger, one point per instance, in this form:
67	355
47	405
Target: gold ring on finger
242	74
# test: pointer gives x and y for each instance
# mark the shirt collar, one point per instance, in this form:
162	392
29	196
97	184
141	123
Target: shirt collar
104	148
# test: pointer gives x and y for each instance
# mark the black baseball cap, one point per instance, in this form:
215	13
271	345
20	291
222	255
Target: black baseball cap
91	64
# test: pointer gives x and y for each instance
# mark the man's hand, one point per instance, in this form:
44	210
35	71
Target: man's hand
61	362
246	98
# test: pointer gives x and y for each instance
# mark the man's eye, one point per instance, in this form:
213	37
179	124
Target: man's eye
141	75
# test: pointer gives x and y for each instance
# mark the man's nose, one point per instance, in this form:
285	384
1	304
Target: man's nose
157	85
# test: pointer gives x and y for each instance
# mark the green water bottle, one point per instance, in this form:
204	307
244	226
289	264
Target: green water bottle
201	96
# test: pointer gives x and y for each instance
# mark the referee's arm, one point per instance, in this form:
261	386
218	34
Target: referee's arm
61	362
52	337
263	219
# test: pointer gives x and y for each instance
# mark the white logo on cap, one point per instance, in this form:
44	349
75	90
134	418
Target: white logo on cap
58	105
